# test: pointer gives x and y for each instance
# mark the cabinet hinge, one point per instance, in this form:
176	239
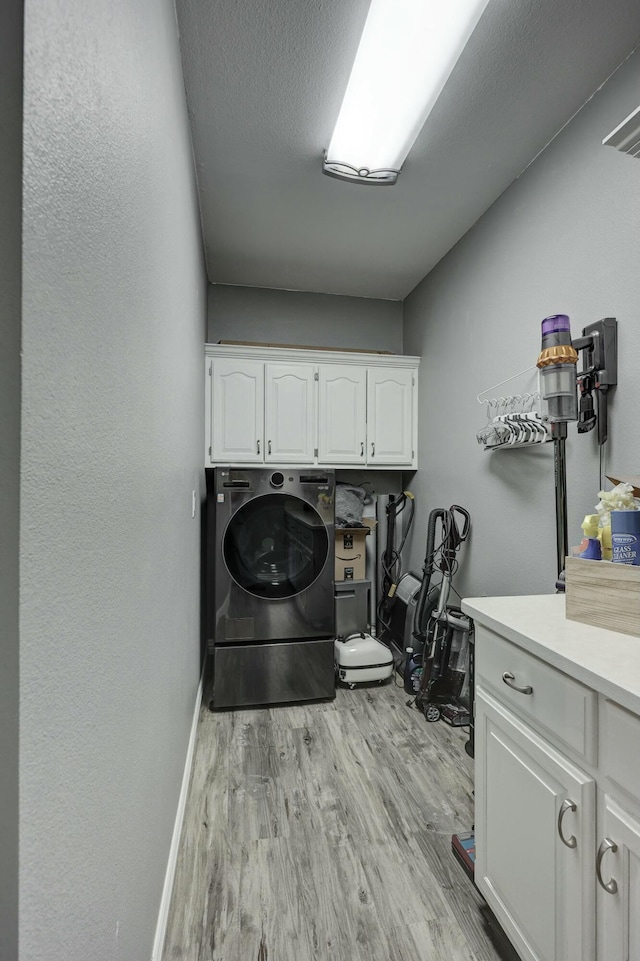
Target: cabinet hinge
316	376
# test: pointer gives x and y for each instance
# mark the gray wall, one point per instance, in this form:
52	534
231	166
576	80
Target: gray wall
305	319
11	13
114	319
564	238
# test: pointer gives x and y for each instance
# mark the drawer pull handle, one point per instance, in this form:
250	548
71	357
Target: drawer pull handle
611	886
509	678
566	805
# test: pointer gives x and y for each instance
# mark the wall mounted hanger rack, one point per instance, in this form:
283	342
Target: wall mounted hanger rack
514	420
489	400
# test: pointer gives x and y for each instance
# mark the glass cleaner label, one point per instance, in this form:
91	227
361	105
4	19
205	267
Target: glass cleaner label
625	549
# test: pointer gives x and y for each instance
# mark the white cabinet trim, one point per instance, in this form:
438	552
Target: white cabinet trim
306	356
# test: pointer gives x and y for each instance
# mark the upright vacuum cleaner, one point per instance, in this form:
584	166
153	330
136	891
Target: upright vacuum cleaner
441	631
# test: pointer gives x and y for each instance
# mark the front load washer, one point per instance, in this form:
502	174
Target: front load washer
270	588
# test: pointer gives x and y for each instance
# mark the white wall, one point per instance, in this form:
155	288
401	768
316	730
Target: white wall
292	317
564	238
11	13
114	320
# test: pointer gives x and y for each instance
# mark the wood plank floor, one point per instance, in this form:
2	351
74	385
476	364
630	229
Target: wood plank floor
322	832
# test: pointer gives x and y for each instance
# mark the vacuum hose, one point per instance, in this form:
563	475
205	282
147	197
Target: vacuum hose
426	602
391	558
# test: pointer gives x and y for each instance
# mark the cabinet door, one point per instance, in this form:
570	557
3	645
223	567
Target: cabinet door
342	422
389	415
289	413
619	870
540	889
237	411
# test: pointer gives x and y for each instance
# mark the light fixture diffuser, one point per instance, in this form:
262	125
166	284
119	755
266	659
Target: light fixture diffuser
626	136
407	51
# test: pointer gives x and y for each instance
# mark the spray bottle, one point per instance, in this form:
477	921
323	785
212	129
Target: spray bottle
412	671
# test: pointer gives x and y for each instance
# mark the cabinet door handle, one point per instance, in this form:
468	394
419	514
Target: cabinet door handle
361	448
566	805
269	446
509	678
611	886
373	449
258	446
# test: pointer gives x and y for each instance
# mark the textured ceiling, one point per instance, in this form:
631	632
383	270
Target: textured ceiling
264	82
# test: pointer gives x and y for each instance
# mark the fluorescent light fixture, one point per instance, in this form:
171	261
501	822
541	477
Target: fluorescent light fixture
626	136
407	51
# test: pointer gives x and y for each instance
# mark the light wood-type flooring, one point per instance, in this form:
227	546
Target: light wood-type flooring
322	832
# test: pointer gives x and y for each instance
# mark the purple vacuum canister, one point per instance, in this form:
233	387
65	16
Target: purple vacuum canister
556	324
557	363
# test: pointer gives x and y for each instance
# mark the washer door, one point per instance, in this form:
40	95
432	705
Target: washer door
275	546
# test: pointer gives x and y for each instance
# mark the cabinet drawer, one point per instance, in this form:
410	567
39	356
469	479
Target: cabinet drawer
558	705
619	740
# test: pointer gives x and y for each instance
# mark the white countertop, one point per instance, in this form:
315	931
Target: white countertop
606	661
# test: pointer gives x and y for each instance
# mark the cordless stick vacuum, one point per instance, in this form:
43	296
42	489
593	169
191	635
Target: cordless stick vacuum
557	363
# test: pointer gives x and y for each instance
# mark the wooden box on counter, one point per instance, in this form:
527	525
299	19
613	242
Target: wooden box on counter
603	594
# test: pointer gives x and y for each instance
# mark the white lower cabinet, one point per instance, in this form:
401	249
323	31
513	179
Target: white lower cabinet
618	838
618	873
557	824
535	818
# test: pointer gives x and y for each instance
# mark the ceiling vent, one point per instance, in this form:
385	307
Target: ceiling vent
626	136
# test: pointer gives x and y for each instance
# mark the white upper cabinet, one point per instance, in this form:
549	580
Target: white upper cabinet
342	428
237	411
390	415
279	405
290	413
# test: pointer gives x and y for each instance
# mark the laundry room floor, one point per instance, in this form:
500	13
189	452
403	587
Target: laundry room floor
322	832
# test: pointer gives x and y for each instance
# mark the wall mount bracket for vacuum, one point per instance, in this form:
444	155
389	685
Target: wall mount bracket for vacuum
599	346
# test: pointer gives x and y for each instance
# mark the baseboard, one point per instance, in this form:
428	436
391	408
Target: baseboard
163	914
